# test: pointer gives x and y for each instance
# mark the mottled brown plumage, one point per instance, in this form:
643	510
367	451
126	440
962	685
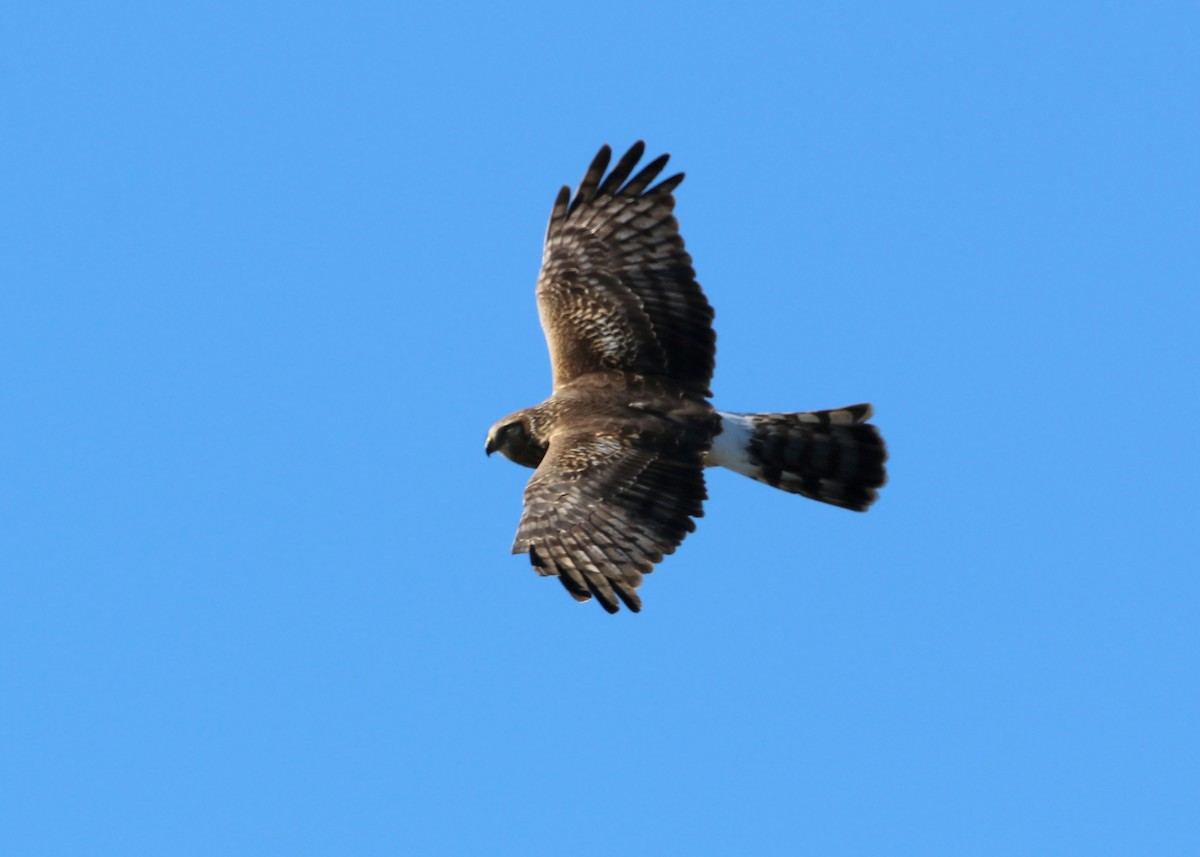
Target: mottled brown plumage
617	290
621	444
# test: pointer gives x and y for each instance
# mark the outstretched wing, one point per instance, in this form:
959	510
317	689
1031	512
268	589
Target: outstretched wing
606	504
617	290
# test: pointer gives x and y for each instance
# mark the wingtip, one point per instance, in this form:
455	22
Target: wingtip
669	184
591	179
646	176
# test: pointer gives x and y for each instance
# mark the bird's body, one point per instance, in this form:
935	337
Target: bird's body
621	445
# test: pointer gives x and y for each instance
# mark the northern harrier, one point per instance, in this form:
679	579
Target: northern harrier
621	445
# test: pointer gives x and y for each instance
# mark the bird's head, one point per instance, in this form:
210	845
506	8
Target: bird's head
512	438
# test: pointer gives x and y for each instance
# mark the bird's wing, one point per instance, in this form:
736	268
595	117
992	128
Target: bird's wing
607	503
617	290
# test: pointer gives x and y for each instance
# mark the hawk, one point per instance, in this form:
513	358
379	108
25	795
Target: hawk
619	448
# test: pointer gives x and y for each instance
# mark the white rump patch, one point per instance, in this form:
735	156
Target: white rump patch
731	446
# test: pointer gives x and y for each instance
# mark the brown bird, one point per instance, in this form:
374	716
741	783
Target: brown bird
621	445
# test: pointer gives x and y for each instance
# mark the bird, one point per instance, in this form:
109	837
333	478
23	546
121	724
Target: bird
620	447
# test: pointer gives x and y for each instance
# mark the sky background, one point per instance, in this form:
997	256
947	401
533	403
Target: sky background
266	278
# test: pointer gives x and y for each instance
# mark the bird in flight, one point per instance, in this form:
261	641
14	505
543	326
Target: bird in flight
619	448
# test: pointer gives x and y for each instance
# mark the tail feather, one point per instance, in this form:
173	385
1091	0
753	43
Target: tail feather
832	456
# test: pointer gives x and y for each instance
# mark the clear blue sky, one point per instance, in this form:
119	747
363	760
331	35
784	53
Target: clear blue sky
266	278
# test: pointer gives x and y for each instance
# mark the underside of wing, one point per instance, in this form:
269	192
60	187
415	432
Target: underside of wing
606	504
617	290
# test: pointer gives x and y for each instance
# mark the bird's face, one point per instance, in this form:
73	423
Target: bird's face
510	437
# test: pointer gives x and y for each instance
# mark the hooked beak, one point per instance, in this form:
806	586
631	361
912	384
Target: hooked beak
490	448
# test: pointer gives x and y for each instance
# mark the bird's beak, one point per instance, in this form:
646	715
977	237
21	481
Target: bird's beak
490	448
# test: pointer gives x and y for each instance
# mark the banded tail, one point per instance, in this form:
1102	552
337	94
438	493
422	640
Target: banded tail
831	456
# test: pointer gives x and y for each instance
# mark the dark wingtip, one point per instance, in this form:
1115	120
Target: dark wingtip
591	179
647	174
668	184
622	171
575	589
628	595
562	206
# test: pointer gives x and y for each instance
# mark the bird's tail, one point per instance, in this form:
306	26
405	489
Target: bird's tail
831	456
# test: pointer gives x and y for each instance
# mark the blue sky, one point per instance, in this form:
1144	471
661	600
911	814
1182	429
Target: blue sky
266	278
